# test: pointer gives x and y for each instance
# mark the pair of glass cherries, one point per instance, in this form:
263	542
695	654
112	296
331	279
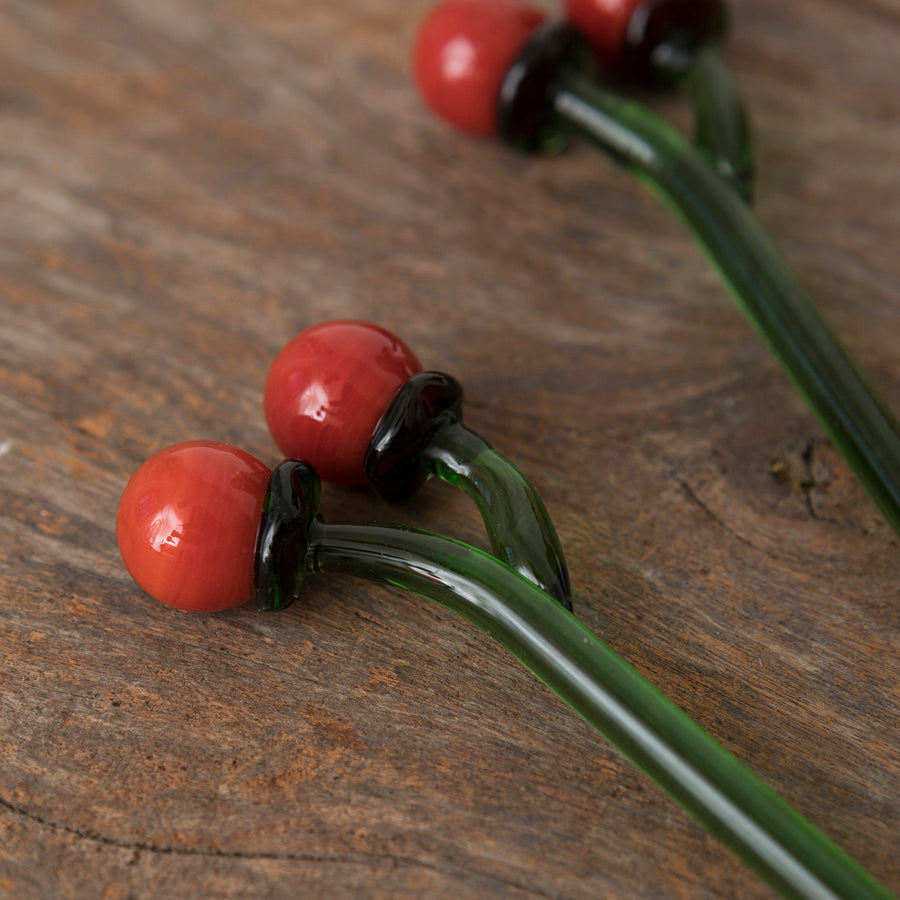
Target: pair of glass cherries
499	67
205	526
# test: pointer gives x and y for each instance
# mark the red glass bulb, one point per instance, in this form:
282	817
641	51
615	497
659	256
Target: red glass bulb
188	522
625	33
328	388
462	54
604	23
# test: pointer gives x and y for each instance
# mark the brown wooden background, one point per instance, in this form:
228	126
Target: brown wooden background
185	185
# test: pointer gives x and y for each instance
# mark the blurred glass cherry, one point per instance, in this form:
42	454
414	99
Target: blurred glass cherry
187	525
672	42
604	23
647	39
546	97
463	51
327	389
489	66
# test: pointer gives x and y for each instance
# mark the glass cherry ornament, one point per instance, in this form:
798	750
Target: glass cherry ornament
627	35
463	51
546	97
665	43
351	399
327	389
490	68
187	525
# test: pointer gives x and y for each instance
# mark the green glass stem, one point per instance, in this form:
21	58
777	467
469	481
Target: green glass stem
856	420
651	732
721	127
518	526
421	434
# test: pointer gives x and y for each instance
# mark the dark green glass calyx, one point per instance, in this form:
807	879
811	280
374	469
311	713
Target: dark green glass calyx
422	434
425	403
289	508
664	37
526	118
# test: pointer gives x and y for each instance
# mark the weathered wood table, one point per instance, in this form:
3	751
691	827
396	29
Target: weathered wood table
183	186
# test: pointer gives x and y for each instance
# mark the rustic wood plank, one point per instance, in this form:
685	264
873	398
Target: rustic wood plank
182	187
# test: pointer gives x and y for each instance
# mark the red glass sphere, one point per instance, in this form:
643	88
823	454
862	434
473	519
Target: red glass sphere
604	23
328	388
462	53
625	33
187	525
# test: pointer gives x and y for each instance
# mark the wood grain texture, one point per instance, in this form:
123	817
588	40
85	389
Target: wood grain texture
185	185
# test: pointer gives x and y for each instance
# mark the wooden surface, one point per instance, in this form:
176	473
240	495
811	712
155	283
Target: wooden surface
183	186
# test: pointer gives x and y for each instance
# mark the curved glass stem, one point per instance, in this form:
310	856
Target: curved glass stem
518	526
722	128
650	731
757	275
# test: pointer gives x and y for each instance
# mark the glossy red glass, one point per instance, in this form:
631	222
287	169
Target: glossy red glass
604	23
328	388
463	50
625	34
187	525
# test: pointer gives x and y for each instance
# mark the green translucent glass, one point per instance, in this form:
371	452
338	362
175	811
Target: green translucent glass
421	434
609	694
857	421
722	129
518	526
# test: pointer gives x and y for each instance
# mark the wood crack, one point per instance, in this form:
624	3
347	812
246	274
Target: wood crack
692	495
371	859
